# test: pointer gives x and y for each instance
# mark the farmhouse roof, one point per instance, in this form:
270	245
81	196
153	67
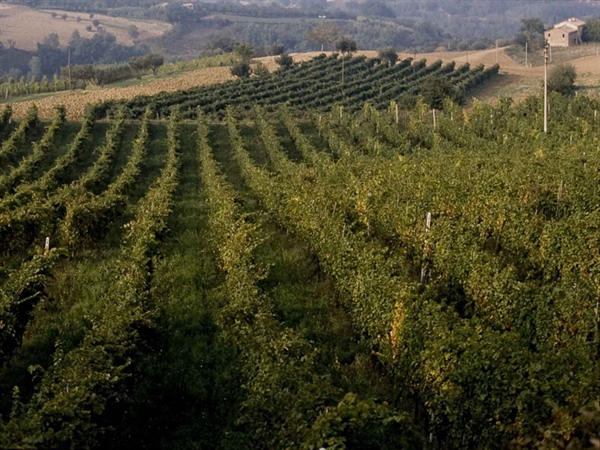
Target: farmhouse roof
565	29
572	22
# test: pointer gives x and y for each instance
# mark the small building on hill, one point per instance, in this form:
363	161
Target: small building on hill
565	34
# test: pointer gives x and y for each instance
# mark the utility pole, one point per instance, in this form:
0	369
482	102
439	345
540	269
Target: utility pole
69	67
546	51
526	53
496	51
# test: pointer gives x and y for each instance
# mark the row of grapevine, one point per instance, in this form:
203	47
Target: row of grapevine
508	230
317	85
26	167
53	177
22	86
277	365
96	177
458	250
28	213
86	381
24	288
48	205
18	137
88	217
336	421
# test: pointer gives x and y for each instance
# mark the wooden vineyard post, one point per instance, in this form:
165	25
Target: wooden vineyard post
434	122
47	245
425	249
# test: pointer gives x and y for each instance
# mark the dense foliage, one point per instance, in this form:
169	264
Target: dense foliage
364	278
316	84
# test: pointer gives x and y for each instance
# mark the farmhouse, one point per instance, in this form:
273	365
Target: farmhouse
565	34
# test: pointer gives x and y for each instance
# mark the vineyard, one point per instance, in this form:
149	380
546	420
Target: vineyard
314	85
359	278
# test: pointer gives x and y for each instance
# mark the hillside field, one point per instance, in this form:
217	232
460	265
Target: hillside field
26	26
364	80
357	279
515	80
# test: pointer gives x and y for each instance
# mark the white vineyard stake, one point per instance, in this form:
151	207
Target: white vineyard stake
47	245
427	227
560	190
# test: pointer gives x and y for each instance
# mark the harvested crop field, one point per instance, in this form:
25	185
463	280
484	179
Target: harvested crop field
28	26
76	102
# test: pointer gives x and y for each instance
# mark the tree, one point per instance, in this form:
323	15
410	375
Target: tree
377	8
275	49
285	61
435	90
244	51
51	58
562	79
241	70
345	45
151	61
52	40
75	37
133	31
531	32
388	55
154	61
138	65
82	72
95	22
224	44
35	67
532	25
260	70
591	30
324	33
64	16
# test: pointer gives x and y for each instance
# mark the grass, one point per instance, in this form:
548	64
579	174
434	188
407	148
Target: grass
33	97
558	55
